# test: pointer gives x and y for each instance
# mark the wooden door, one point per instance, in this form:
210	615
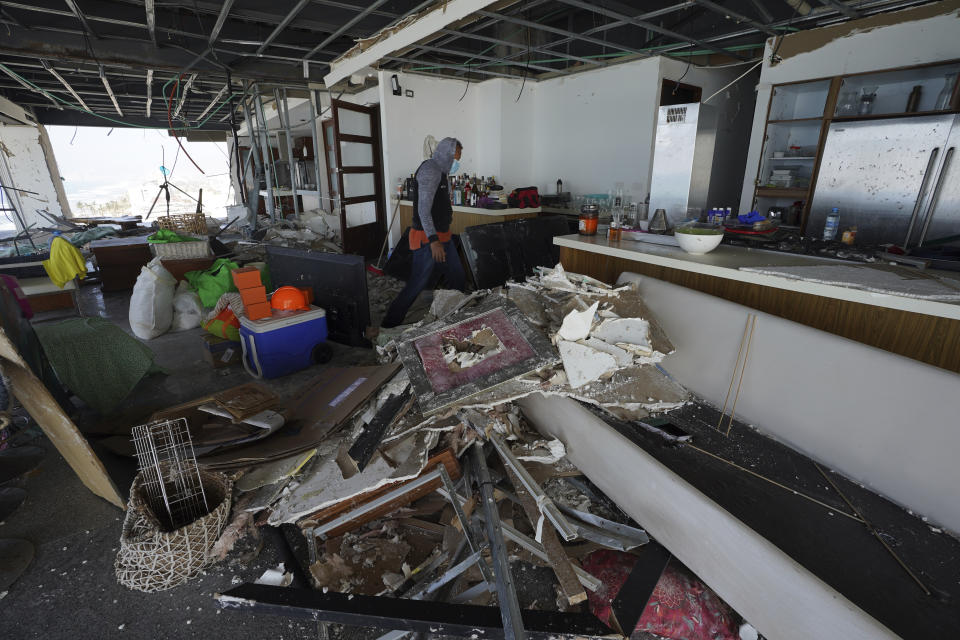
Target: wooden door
359	177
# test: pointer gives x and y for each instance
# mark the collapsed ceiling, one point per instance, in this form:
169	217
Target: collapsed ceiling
178	64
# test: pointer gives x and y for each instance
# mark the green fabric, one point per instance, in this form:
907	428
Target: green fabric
94	233
214	282
163	236
95	359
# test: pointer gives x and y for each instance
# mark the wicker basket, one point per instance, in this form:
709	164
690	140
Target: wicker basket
188	222
151	559
179	250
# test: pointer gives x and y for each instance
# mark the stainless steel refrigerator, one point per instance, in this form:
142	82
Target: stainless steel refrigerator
897	180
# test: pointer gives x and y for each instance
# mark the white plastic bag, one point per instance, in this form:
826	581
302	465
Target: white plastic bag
151	305
187	309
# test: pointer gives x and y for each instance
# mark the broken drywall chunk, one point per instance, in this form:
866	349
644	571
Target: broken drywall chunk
463	354
623	358
632	334
555	450
577	324
584	364
278	577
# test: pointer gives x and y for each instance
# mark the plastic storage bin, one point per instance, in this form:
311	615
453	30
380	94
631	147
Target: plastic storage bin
284	343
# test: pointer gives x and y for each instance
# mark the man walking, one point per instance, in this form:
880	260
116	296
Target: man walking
430	238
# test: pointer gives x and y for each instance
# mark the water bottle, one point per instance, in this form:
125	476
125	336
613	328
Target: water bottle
831	225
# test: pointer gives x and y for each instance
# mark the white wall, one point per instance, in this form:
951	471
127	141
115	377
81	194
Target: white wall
899	39
596	128
24	154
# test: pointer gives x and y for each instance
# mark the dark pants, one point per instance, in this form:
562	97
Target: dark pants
423	270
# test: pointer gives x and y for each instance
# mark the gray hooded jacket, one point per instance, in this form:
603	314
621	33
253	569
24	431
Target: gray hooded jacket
428	179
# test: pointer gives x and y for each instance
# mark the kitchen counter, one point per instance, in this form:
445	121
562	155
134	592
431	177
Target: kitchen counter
484	212
927	330
464	217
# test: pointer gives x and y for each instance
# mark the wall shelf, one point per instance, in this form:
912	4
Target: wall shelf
888	116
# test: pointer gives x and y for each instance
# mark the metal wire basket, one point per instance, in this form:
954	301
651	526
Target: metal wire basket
169	475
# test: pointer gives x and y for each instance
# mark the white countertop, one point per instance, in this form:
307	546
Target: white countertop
485	212
725	262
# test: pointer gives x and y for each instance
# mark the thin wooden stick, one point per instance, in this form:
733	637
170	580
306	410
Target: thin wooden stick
873	530
775	483
734	374
746	356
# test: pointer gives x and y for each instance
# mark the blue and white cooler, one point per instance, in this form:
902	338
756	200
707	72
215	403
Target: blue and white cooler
287	342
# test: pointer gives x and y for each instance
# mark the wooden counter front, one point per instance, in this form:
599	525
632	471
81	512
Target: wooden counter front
464	217
927	338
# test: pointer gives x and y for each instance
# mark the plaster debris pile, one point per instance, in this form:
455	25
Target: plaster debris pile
434	487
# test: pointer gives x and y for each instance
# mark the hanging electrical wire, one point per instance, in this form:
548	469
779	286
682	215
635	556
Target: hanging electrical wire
170	122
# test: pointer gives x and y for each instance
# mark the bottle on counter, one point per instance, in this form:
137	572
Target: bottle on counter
559	186
467	190
831	225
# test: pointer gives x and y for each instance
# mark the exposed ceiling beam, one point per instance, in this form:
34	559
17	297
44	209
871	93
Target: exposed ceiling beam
616	15
762	10
183	96
66	85
26	86
113	98
523	48
562	32
82	18
739	17
650	15
151	20
213	102
287	19
426	26
149	90
460	67
478	56
140	54
842	7
221	19
349	23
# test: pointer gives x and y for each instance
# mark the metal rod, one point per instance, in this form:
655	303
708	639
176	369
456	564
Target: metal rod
291	163
563	32
464	522
265	150
151	13
113	98
547	507
241	171
506	593
287	19
149	90
66	85
645	24
183	96
221	19
739	17
842	7
349	23
872	529
314	115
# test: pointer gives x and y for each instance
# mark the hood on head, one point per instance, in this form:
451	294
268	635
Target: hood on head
443	154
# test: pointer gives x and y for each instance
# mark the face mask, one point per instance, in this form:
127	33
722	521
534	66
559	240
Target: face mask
454	167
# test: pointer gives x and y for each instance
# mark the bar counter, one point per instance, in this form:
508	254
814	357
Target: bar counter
926	330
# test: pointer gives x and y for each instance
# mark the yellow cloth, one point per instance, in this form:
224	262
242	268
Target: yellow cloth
65	263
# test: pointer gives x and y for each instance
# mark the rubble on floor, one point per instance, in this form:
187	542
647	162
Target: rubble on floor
420	479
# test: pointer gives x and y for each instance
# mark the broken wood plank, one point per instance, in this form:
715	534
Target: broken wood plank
56	424
562	566
366	444
401	498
